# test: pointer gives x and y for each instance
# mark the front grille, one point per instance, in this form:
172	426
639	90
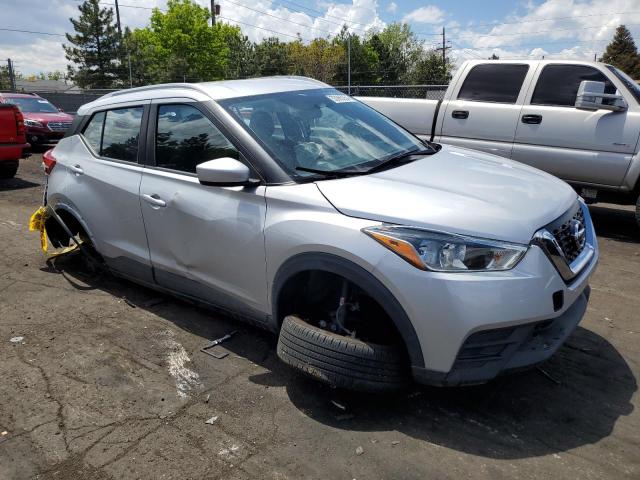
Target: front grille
59	126
564	236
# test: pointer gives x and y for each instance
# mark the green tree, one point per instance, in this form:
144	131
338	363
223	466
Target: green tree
622	52
429	69
94	48
272	57
364	59
5	81
180	45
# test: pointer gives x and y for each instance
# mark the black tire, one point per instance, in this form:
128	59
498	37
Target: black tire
341	361
8	170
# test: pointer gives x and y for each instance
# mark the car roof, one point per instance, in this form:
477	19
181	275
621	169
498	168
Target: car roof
206	90
19	95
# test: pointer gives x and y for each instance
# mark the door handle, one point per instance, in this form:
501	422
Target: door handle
460	114
532	119
154	200
77	169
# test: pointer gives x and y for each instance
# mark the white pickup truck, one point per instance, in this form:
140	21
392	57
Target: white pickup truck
577	120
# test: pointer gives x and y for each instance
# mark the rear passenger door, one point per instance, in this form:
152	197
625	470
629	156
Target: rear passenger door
206	242
483	111
576	145
105	174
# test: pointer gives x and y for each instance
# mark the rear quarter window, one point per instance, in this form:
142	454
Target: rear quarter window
497	83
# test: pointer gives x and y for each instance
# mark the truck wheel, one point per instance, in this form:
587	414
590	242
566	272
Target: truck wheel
8	170
341	361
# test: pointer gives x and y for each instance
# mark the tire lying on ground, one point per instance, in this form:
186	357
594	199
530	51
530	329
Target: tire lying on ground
341	361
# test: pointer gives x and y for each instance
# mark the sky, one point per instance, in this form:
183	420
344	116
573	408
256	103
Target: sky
474	29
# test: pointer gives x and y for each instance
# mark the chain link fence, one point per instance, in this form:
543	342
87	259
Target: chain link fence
429	92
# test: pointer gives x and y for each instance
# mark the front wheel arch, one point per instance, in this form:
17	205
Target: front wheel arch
356	274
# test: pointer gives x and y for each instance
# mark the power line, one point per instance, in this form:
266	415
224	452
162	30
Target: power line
473	35
280	18
32	31
552	19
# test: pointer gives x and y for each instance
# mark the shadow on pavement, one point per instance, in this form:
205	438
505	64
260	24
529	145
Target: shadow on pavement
587	387
16	183
616	223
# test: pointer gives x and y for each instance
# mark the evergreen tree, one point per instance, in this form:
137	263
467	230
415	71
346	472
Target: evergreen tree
622	53
95	47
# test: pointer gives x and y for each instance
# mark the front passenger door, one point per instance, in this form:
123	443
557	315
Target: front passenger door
206	242
576	145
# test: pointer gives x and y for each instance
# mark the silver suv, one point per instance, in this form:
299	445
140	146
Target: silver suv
376	257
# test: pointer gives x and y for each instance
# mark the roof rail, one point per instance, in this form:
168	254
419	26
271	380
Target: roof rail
160	86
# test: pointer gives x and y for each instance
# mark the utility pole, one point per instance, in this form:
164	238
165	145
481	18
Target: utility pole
444	48
213	13
118	20
130	76
12	76
349	63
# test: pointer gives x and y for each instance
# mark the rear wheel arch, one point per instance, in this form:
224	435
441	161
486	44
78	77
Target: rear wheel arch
356	274
74	222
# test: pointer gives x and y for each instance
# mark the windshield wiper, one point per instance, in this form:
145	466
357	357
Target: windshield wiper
333	173
396	158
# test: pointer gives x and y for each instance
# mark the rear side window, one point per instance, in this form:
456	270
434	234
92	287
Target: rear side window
558	84
115	133
121	132
185	138
496	83
93	131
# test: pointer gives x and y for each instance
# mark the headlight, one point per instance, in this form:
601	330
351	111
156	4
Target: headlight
447	252
32	123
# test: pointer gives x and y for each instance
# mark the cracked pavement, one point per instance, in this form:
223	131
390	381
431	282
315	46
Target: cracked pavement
109	383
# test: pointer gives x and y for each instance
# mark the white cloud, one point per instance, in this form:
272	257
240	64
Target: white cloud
554	28
392	7
426	14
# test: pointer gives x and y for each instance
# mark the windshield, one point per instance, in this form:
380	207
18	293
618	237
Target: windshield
322	130
631	85
32	105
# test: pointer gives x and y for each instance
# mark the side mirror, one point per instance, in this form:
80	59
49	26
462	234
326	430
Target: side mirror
224	172
591	96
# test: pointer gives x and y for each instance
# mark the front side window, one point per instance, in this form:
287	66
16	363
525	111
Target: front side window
498	83
186	138
320	129
558	84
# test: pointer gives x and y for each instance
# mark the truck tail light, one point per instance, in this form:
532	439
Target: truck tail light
48	161
20	129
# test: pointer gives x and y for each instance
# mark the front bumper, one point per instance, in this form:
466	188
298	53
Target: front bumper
456	315
43	135
490	353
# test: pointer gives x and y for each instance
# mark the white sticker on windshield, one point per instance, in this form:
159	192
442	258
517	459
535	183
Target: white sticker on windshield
340	98
43	101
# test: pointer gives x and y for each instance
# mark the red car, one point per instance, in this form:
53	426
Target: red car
13	144
45	123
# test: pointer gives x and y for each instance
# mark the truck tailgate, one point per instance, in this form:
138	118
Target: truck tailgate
416	115
8	127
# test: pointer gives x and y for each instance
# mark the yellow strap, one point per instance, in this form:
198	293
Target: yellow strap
36	223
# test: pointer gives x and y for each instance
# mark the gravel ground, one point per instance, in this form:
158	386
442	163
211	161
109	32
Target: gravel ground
108	382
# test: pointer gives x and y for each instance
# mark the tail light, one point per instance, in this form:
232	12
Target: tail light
20	129
48	161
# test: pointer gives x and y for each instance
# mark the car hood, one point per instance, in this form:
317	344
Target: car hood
458	191
48	117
